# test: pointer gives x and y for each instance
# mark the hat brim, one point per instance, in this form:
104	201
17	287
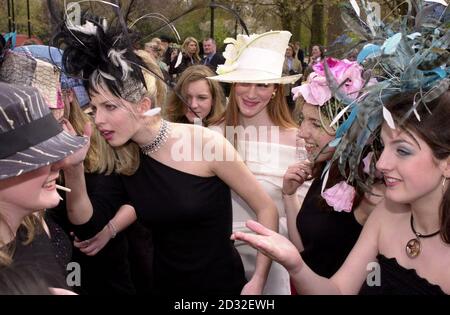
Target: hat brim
251	76
45	153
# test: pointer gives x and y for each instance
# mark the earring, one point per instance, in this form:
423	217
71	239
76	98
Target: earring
273	95
443	185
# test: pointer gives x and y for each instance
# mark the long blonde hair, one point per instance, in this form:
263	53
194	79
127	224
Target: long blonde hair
31	223
175	109
277	110
186	42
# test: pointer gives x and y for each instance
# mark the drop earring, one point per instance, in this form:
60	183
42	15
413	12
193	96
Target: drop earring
443	185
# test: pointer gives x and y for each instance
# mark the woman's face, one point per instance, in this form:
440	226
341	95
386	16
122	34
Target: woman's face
312	132
409	169
31	191
315	51
199	97
113	117
289	52
192	48
253	98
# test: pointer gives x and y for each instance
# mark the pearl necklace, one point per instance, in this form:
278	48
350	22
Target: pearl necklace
161	138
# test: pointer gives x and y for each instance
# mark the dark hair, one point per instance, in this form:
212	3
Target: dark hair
433	129
86	53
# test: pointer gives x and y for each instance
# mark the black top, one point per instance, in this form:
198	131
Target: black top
107	272
327	235
62	246
396	279
191	221
38	257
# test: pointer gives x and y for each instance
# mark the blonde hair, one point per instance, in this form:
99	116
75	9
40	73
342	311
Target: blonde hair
175	108
31	223
186	43
277	110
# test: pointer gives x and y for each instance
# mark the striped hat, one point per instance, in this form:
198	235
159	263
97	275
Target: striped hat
30	137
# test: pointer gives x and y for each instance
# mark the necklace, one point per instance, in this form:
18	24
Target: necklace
413	246
161	138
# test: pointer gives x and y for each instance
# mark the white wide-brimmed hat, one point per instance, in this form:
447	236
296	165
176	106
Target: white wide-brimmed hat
256	58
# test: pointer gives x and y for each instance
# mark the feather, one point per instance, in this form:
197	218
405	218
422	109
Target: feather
354	23
179	59
106	75
388	118
355	7
87	28
119	61
152	112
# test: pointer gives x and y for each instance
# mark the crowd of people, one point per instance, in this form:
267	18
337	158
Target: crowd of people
252	171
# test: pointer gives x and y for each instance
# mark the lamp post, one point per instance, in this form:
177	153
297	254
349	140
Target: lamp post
28	16
212	19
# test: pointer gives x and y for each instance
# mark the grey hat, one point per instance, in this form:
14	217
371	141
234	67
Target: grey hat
30	137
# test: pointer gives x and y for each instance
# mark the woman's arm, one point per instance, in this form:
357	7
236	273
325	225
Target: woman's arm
79	207
294	177
235	174
124	217
347	280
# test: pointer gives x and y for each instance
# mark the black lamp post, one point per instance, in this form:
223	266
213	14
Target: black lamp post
212	19
29	21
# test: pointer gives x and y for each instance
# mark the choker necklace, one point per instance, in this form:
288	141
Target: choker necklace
413	246
161	138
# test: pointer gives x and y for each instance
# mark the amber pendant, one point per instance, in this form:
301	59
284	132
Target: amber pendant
413	248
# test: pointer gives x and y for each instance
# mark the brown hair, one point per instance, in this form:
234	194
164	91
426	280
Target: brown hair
277	110
175	108
433	129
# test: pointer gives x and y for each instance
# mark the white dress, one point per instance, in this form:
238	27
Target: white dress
268	162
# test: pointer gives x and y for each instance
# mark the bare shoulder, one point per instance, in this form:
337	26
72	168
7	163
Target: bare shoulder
387	214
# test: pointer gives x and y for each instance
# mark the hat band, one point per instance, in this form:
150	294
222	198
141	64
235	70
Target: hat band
260	59
28	135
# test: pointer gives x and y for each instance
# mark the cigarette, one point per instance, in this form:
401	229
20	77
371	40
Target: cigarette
63	188
61	198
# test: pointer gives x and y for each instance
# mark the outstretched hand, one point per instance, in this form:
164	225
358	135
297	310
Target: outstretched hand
271	244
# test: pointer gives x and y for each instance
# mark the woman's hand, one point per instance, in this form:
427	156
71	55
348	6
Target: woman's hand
78	157
271	244
95	244
295	176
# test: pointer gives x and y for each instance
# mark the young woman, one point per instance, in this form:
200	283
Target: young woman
29	167
408	233
205	97
183	199
188	56
257	121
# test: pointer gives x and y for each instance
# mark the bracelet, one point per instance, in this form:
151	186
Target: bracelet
112	229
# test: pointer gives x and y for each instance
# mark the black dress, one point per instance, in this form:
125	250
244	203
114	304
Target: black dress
328	236
191	221
396	279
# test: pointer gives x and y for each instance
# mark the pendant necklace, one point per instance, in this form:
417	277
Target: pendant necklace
413	246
